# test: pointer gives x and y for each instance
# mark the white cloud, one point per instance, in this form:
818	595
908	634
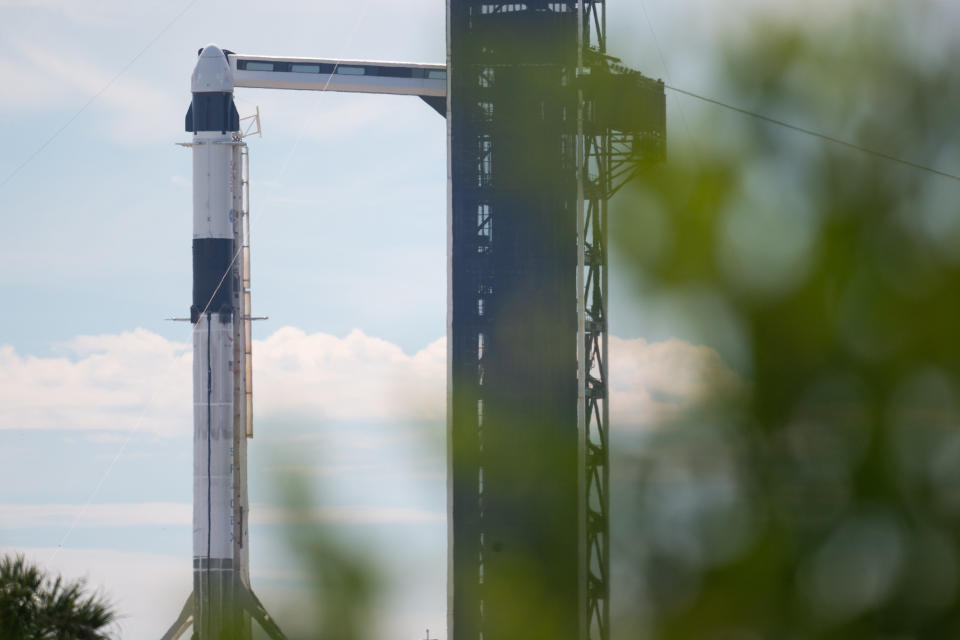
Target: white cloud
136	380
51	76
64	53
148	514
354	514
114	383
169	514
116	13
117	382
653	382
358	376
88	13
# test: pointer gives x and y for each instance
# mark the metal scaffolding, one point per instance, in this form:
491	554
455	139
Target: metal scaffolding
621	130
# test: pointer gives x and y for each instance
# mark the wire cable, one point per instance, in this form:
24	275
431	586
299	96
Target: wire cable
774	121
666	71
93	98
136	428
106	474
816	134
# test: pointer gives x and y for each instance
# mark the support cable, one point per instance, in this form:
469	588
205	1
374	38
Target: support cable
815	134
774	121
99	93
136	428
666	72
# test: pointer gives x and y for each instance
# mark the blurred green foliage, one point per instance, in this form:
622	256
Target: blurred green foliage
344	583
823	500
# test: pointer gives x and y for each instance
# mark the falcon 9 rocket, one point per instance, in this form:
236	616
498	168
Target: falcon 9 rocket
222	601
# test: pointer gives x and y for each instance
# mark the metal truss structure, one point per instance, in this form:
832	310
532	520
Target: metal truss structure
613	149
593	412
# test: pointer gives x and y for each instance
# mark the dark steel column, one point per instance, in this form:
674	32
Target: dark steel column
513	336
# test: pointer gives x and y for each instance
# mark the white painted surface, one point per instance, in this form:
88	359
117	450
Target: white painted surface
429	66
212	72
212	192
351	76
342	83
213	474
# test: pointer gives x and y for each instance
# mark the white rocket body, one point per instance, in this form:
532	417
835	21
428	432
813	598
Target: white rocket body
219	409
213	516
221	604
213	357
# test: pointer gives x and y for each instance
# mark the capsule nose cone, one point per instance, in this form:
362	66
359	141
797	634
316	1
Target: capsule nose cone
212	72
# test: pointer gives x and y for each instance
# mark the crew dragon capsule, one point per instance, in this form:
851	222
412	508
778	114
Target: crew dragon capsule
222	602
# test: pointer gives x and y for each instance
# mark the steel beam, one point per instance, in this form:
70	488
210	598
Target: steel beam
351	76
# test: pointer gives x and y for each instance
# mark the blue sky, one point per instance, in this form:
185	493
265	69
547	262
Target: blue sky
349	258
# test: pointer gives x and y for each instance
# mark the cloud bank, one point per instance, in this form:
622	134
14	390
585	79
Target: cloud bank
652	383
141	381
167	514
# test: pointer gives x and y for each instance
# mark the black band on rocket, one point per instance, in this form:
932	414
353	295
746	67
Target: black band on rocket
212	111
211	260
